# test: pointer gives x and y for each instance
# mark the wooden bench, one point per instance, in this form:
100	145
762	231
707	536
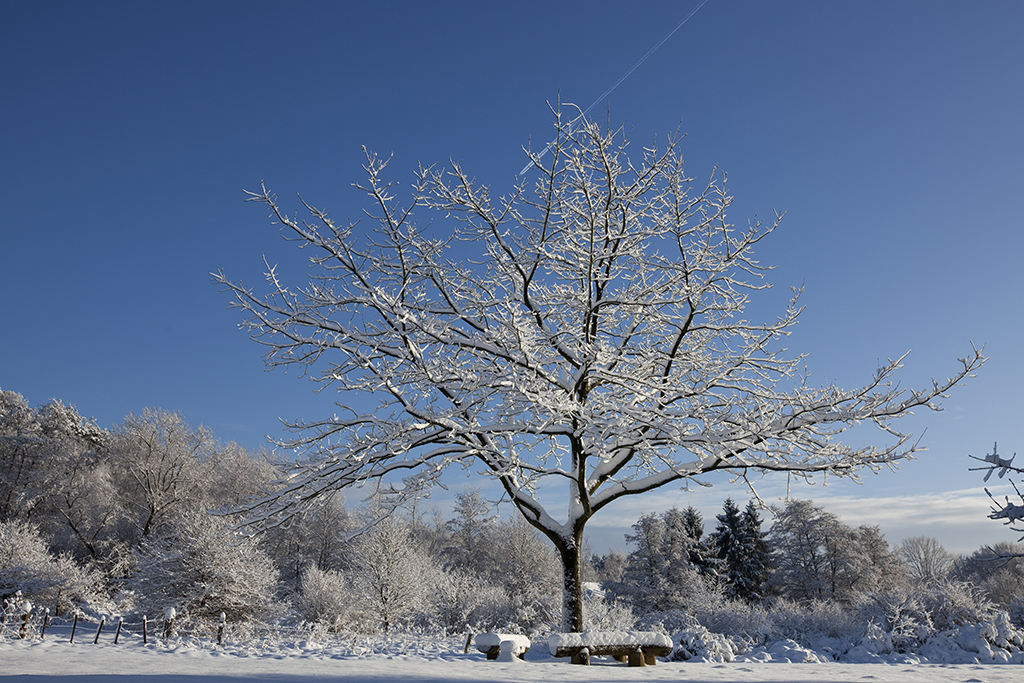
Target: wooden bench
490	644
636	648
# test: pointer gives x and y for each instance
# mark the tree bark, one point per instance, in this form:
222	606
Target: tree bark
571	554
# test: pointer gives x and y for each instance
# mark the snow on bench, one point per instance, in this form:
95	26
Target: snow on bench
638	648
490	644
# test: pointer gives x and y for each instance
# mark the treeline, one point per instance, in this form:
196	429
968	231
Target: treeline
136	519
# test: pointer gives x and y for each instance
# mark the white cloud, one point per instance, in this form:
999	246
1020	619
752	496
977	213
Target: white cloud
958	519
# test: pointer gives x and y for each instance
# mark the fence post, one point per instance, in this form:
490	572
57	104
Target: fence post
73	627
144	641
26	609
169	621
120	621
220	628
95	640
46	622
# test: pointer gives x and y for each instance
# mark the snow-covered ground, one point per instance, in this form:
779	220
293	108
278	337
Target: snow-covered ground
410	659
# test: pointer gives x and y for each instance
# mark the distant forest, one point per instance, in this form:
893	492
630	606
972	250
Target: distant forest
137	518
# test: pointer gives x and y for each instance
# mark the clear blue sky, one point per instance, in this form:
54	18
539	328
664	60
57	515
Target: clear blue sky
891	133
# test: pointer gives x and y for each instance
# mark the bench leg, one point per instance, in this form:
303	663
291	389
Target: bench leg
582	657
650	660
636	658
621	658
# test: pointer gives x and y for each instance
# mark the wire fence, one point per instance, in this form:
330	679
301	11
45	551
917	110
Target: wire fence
39	624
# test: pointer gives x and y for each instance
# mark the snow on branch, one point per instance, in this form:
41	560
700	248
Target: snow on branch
586	327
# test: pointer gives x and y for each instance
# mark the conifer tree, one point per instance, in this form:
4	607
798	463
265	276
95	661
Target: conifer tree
701	554
740	547
756	567
727	544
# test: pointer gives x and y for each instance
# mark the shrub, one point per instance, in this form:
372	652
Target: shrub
56	582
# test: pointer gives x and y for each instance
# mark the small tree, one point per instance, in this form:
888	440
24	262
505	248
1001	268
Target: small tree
595	338
471	544
393	575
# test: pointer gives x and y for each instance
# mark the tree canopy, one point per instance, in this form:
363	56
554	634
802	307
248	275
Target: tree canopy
586	328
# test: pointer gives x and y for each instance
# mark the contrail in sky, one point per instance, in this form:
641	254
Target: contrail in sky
624	76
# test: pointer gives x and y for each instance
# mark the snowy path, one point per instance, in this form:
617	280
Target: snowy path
57	661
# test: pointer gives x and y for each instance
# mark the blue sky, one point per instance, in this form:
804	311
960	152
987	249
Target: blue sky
890	132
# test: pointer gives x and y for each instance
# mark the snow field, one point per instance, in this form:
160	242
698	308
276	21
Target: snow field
409	658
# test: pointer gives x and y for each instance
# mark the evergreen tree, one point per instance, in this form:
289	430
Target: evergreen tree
756	567
727	544
659	574
471	533
701	553
741	549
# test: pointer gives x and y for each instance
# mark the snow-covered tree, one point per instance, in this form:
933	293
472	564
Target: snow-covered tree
393	576
528	571
744	556
585	327
727	543
927	562
876	567
812	552
163	466
757	569
611	566
818	557
471	540
22	469
201	567
659	574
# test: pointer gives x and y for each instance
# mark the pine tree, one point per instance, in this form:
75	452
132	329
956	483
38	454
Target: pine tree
727	544
659	573
756	567
741	549
701	553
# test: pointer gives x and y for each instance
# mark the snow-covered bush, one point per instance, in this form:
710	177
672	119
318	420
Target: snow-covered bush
462	598
203	568
27	566
393	575
602	612
955	603
324	598
698	643
807	623
530	574
897	621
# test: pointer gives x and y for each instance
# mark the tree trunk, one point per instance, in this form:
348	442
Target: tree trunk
572	583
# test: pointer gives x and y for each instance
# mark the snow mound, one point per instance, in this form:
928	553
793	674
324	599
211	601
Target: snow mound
783	652
698	644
